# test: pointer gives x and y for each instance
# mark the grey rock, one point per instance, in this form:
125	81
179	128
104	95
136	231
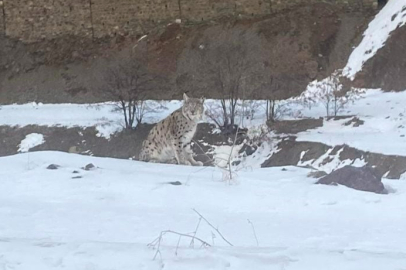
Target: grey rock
364	179
176	183
53	167
89	167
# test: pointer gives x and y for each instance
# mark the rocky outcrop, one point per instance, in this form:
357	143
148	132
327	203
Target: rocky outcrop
363	179
319	156
387	69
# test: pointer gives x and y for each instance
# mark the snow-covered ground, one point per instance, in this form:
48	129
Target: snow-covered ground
383	131
103	116
106	218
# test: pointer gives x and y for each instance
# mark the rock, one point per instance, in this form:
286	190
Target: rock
248	149
363	179
89	167
176	183
53	167
355	122
75	171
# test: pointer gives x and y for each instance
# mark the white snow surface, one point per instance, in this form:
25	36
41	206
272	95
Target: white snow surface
383	131
30	141
103	116
105	219
392	16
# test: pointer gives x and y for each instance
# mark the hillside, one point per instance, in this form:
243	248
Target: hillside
295	46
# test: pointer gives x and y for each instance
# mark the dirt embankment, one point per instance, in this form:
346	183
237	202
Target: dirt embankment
387	69
297	46
292	153
86	141
127	145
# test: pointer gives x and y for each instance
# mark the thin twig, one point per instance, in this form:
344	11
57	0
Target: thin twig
157	242
202	217
194	233
253	229
158	251
177	245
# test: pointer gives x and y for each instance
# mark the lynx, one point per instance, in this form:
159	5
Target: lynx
170	139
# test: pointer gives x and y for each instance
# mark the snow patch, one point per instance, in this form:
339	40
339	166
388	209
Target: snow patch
30	141
223	153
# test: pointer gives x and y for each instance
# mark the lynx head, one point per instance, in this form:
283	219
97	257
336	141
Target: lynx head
193	108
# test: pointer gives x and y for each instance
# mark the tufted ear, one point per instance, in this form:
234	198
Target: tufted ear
185	97
202	99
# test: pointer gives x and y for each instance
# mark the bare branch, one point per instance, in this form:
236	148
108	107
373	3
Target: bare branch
127	83
202	217
156	243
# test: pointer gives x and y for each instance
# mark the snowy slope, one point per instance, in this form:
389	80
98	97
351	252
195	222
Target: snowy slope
105	219
383	131
392	16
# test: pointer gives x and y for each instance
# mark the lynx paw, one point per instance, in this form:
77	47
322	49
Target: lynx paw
198	163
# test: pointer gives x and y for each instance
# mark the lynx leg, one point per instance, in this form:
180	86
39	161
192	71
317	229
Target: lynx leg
179	154
189	155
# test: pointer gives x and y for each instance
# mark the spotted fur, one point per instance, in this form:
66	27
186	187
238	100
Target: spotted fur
169	140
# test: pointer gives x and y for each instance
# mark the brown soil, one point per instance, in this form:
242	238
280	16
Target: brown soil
299	45
295	126
387	69
124	144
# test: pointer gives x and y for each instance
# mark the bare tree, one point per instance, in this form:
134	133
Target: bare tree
271	86
330	93
229	69
276	90
127	84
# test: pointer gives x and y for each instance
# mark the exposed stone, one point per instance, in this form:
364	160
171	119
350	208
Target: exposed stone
176	183
53	167
363	179
355	122
292	153
387	69
89	167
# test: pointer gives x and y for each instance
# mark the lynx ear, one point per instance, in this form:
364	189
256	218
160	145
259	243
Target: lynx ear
185	97
202	99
